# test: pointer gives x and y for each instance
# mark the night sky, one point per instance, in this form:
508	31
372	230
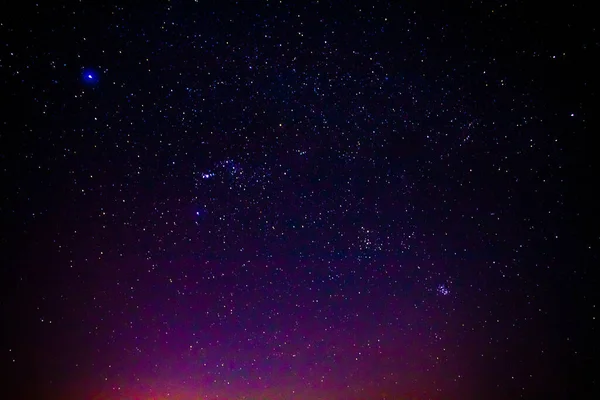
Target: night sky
297	200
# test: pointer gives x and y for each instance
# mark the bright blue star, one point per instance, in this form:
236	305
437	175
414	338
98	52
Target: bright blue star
90	77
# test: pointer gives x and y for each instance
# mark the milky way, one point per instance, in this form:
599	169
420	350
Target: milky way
291	200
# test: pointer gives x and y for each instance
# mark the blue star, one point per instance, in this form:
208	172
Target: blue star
90	77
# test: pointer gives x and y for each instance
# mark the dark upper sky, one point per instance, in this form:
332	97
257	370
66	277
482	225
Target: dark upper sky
295	200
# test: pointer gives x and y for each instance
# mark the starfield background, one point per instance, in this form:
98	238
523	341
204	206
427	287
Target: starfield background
297	200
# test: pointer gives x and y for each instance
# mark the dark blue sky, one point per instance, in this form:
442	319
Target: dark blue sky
297	201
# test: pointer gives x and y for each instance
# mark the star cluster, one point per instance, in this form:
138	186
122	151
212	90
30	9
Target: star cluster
288	200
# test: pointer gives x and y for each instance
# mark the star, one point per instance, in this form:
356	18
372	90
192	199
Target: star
90	76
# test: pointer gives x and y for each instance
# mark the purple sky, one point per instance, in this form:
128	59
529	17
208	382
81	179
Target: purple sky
277	201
